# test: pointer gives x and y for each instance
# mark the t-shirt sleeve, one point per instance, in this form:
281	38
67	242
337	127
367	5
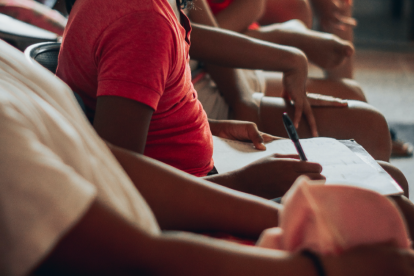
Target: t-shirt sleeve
41	197
134	56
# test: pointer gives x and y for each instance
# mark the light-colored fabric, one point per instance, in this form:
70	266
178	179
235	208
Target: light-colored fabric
256	80
330	219
213	102
52	166
211	98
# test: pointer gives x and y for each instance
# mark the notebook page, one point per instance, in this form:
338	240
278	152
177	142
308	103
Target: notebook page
340	164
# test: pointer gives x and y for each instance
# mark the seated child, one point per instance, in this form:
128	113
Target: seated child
271	83
138	82
73	205
238	100
323	49
149	105
332	16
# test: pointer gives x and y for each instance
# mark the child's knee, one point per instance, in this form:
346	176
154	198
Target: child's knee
355	89
372	128
397	175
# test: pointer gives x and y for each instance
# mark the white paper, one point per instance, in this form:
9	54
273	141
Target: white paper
340	164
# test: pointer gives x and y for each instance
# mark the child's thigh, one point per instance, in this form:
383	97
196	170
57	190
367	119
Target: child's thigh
340	88
278	11
358	121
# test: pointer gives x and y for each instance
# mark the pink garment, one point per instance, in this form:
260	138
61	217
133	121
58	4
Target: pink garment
330	219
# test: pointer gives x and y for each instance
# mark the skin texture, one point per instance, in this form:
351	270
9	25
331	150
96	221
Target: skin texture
86	249
104	243
240	14
217	47
279	11
334	16
116	121
116	118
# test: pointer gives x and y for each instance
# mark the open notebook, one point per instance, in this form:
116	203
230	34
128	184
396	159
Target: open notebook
343	162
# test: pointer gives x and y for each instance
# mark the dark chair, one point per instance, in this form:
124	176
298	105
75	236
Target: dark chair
46	54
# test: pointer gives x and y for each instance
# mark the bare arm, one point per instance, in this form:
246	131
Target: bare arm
181	201
223	47
230	81
123	122
294	34
103	243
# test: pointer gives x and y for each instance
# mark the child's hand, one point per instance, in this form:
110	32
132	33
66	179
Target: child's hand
241	131
294	89
272	176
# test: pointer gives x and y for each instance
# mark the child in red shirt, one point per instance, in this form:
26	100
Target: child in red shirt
131	68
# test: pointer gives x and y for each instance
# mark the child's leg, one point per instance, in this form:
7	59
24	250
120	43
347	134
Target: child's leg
405	205
278	11
407	209
397	175
340	88
345	70
323	49
358	121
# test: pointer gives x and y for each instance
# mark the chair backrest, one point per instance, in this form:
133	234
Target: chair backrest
47	53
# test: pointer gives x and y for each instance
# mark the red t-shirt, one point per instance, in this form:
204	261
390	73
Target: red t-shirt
218	7
140	51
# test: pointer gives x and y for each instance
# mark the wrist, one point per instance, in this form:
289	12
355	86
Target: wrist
298	61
